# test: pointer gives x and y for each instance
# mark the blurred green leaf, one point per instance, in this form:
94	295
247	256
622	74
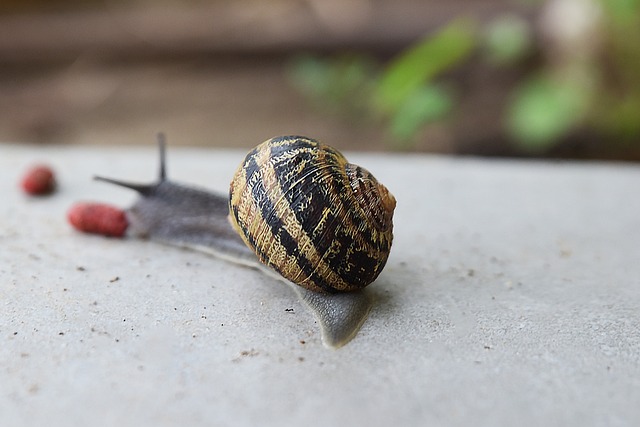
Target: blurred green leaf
621	117
545	109
340	83
622	11
310	75
427	104
419	64
508	39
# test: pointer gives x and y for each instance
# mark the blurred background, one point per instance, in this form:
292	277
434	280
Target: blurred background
523	78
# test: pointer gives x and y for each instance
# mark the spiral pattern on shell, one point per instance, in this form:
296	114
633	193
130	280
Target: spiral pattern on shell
321	222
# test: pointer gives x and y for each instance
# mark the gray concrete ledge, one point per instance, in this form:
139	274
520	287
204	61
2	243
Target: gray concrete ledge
511	297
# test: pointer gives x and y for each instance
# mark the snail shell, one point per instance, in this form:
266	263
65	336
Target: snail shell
321	222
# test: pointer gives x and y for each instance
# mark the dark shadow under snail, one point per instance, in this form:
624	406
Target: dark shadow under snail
296	210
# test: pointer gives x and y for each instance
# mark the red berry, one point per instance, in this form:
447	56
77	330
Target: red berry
38	180
98	218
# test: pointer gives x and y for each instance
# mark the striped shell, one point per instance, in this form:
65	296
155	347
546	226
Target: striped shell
319	221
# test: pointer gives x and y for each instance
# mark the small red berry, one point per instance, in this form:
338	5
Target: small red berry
98	218
38	180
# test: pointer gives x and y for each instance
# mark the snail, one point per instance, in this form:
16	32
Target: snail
296	210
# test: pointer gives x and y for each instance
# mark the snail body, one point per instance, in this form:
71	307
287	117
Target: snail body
296	210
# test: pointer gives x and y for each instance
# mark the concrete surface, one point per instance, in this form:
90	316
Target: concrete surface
511	297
